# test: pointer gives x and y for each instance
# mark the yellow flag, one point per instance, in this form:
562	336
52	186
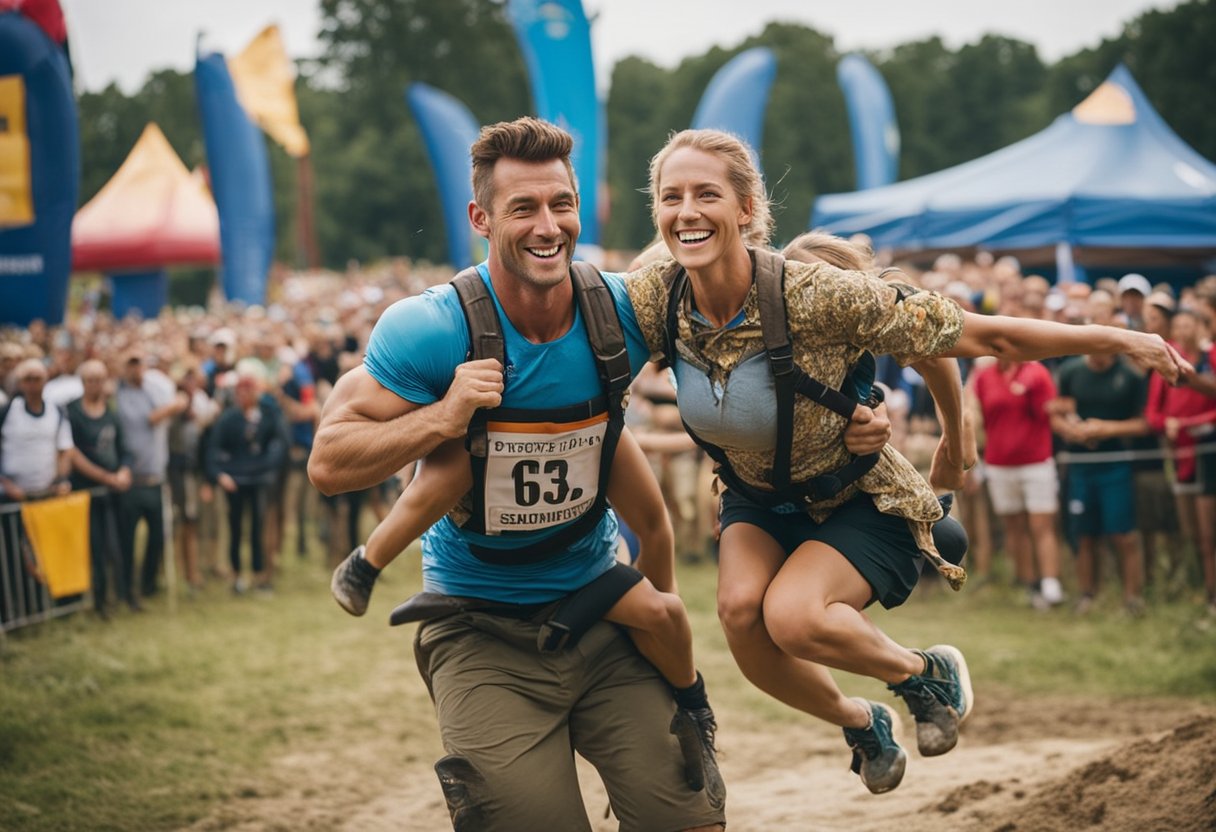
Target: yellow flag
58	530
265	85
16	197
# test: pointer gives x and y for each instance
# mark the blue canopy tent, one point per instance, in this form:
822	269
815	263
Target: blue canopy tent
1108	183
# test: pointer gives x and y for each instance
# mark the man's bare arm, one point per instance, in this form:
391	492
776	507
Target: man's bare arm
368	433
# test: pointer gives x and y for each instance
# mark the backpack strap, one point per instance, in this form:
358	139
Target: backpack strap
774	329
675	280
485	341
788	378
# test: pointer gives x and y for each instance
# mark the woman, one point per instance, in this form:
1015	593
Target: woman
1186	417
794	583
1023	483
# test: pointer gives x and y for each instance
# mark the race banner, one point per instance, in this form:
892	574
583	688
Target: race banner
737	97
871	122
448	131
555	39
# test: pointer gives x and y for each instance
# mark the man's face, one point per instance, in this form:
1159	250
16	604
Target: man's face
533	224
246	393
30	382
1132	303
94	381
133	370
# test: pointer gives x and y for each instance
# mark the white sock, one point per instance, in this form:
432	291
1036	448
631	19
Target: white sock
1051	590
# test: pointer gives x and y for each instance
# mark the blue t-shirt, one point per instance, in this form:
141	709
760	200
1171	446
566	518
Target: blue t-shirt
414	351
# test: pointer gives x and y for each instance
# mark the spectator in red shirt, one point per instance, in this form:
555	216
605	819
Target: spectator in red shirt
1022	479
1187	418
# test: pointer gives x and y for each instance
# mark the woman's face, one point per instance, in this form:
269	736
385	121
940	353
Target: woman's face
1185	330
1156	321
699	214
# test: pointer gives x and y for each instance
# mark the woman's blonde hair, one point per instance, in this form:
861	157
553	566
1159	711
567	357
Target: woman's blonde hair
833	250
744	178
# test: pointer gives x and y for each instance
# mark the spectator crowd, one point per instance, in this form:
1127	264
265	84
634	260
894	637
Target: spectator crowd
198	423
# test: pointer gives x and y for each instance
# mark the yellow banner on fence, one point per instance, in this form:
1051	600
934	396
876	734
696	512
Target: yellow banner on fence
58	530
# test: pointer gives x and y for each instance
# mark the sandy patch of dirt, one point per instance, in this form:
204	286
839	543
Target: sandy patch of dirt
1024	764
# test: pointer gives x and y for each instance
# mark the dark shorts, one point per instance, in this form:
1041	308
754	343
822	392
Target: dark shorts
879	546
1155	507
1101	499
1205	464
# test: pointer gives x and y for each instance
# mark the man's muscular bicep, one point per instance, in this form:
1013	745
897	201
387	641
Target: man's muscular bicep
355	416
359	397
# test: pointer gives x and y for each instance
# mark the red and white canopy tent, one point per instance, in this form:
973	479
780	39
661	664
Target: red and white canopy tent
152	213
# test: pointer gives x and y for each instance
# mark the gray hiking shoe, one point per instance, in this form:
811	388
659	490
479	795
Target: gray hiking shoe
939	699
695	729
352	582
877	757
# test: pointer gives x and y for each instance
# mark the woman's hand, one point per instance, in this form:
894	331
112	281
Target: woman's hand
868	431
1152	352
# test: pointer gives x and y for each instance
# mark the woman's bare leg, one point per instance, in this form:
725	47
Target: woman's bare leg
749	560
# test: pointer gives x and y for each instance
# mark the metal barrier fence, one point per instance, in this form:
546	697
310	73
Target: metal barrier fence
24	599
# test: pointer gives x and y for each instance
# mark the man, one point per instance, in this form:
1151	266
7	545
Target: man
35	439
102	459
146	400
1134	289
245	450
35	457
1101	401
508	716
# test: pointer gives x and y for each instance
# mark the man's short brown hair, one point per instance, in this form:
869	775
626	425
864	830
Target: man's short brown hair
527	139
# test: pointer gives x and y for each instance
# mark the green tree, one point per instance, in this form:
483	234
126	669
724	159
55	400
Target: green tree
956	106
1170	55
373	179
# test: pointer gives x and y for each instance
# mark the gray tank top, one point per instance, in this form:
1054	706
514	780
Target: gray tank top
739	415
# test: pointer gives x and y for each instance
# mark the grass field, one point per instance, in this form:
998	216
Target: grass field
153	720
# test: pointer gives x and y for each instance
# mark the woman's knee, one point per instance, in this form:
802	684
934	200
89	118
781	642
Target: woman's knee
798	629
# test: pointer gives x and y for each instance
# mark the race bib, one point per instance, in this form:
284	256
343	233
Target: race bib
541	474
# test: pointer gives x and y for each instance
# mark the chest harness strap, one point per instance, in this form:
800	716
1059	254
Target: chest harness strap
607	340
789	379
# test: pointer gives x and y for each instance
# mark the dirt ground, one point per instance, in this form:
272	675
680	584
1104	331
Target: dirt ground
1022	765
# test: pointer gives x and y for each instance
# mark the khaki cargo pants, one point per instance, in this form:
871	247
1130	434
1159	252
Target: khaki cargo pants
511	718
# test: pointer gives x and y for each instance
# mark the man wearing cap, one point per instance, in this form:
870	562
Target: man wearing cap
1133	289
223	348
35	457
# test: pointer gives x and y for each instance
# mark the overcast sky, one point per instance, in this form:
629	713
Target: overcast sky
125	40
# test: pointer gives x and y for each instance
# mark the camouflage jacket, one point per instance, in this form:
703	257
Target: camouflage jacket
833	316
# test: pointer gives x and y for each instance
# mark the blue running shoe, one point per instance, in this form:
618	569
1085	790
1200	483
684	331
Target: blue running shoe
939	699
877	757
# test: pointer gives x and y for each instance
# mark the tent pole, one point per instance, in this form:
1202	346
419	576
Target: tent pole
308	238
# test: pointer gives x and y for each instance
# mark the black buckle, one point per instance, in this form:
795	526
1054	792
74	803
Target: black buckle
617	370
826	486
782	360
552	637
